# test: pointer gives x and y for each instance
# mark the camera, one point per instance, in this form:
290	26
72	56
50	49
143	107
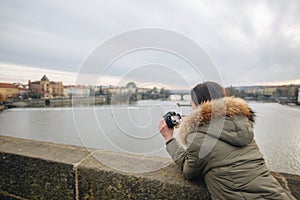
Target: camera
172	119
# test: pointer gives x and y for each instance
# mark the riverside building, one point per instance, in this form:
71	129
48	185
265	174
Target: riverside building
46	88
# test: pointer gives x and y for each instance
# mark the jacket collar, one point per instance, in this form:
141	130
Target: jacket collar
217	108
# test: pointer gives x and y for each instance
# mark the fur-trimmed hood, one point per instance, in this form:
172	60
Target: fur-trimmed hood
218	109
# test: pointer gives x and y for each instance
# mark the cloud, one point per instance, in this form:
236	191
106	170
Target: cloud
21	74
250	41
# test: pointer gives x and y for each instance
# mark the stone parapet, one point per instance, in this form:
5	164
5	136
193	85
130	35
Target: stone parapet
41	170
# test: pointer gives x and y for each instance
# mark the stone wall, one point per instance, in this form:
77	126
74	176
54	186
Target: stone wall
40	170
60	102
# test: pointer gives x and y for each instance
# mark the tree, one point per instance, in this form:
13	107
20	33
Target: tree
164	93
34	95
278	92
131	85
232	91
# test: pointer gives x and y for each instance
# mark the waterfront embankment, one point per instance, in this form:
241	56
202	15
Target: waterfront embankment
41	170
58	102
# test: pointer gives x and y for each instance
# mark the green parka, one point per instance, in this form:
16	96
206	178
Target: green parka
216	144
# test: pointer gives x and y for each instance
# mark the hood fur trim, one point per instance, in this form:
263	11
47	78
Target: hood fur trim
217	108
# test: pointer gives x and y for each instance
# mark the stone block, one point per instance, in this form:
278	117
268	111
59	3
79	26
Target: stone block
37	170
98	181
34	178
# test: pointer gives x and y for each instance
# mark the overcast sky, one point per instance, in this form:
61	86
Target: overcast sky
250	42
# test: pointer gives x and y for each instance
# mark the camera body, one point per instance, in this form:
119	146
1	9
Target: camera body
172	119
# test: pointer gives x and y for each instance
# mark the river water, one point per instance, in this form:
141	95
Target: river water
133	128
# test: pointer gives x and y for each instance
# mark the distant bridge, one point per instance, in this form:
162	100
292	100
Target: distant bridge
182	93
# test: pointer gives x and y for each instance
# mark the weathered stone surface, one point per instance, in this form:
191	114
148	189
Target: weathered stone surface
110	185
97	181
6	196
40	170
37	170
292	181
43	150
34	178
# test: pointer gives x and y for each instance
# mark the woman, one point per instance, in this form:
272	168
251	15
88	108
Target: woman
219	147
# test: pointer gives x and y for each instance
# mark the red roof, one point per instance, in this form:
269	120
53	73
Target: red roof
8	85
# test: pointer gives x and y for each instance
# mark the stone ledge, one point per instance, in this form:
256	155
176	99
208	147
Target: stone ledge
35	178
97	181
41	170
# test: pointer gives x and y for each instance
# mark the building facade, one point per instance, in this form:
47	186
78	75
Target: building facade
76	91
8	92
46	88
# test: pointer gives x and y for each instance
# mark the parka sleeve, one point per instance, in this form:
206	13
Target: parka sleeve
186	159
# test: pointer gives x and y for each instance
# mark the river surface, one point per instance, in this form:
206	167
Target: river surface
133	128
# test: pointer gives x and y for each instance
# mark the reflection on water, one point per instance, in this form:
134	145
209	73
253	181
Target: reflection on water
277	132
134	128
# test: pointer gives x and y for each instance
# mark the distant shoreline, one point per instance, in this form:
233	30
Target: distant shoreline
91	101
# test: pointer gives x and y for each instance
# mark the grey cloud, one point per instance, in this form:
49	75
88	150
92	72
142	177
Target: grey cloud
250	41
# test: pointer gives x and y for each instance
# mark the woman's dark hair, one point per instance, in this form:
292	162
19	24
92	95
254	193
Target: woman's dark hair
206	91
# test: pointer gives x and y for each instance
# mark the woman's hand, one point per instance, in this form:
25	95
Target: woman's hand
165	131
